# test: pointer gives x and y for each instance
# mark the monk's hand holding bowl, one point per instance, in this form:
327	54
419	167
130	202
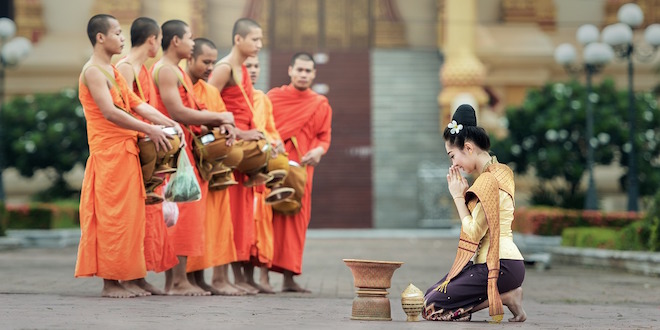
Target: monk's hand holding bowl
159	137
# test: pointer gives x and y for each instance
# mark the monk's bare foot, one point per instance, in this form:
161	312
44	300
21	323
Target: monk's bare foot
208	288
513	300
249	289
112	289
186	289
226	289
265	288
135	288
149	287
294	288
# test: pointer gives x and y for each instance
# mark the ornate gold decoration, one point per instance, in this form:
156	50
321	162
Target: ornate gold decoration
29	19
651	9
389	28
542	12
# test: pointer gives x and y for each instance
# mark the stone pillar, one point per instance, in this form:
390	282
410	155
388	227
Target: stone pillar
462	74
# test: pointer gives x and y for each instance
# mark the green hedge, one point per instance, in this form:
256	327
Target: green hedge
633	237
28	217
42	216
2	219
548	221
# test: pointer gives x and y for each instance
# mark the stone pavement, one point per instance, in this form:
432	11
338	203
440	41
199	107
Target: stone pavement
38	291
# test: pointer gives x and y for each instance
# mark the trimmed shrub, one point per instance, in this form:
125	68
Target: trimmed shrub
29	217
552	221
602	238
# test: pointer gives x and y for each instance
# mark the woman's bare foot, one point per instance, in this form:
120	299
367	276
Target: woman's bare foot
184	288
112	289
135	288
513	300
226	289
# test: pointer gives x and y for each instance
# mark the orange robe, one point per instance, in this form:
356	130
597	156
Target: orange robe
219	230
241	198
112	219
187	236
158	252
263	213
307	116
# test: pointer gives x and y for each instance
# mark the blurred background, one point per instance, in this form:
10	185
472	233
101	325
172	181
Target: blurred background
393	71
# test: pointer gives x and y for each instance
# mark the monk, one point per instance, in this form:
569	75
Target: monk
230	77
263	213
175	98
301	113
219	249
145	43
112	212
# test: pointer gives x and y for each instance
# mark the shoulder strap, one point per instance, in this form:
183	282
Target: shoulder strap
112	80
135	77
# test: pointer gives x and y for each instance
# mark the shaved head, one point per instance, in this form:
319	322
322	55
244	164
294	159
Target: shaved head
98	24
143	28
303	57
199	42
243	27
171	29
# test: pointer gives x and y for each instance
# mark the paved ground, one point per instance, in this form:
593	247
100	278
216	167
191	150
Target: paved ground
38	291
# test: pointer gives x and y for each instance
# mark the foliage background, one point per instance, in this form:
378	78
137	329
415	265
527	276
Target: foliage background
547	133
45	131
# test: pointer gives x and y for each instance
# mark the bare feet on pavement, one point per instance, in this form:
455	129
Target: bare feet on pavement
186	289
226	289
135	288
112	289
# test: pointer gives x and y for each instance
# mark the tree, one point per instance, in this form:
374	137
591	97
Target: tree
45	131
547	133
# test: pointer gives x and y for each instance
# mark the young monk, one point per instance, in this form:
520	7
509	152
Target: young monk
175	98
486	212
227	75
219	250
263	213
112	213
301	113
145	43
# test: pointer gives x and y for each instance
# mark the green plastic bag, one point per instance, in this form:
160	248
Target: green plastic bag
183	185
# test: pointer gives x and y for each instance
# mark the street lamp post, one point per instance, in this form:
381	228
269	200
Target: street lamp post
12	50
596	55
620	37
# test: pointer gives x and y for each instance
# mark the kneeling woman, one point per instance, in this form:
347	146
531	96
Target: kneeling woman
486	212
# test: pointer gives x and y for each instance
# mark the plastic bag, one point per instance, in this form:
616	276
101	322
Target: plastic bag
170	213
183	186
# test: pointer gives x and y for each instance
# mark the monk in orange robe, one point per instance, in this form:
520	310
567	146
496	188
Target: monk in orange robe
112	212
175	98
230	77
263	213
301	113
145	43
219	250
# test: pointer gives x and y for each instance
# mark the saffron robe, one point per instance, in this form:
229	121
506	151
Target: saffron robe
158	253
112	218
263	213
241	198
307	116
219	230
187	236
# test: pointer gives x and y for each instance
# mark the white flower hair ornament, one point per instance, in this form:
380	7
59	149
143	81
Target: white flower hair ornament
455	127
